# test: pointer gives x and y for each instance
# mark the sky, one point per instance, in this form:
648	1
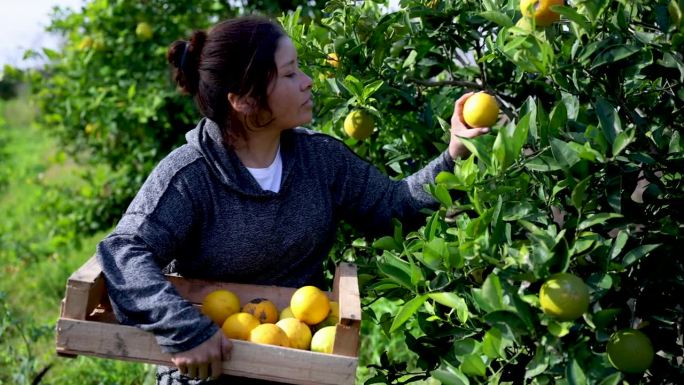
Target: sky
22	26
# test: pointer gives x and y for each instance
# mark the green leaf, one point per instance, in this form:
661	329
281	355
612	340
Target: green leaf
609	120
618	243
490	296
131	91
396	274
573	16
407	311
441	194
579	193
466	346
493	344
637	253
434	252
473	365
559	329
622	140
386	243
613	54
453	301
538	364
478	148
575	374
371	88
596	219
450	376
508	322
543	164
563	153
498	18
51	54
613	379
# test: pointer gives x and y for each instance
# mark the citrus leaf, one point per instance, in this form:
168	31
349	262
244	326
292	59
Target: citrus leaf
572	15
473	365
613	379
407	311
638	252
613	54
490	296
538	365
596	219
386	243
575	374
498	18
450	376
579	193
622	140
453	301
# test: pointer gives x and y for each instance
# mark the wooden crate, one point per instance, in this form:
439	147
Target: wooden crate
87	326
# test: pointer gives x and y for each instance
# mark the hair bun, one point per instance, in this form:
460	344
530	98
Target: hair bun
185	56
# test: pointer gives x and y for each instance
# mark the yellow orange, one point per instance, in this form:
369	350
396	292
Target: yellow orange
220	304
239	325
265	310
310	305
269	334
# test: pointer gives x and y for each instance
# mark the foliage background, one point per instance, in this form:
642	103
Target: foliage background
582	174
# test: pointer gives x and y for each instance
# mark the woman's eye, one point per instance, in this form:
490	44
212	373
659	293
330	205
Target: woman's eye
290	75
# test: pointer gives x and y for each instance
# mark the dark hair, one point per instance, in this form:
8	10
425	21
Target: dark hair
236	55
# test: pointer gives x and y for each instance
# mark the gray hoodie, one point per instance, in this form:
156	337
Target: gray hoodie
201	209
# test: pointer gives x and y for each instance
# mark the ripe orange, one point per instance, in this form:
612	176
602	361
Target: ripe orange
540	10
269	334
219	305
630	351
239	325
263	309
324	340
480	110
310	305
333	317
297	332
359	124
333	60
564	296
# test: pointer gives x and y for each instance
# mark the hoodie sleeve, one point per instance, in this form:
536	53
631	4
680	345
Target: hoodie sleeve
369	199
149	235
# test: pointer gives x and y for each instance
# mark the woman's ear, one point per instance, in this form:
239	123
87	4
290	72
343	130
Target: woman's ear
242	104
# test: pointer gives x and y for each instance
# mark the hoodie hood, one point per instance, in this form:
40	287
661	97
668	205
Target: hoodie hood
224	163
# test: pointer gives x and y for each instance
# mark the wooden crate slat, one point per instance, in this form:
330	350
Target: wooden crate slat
247	359
346	290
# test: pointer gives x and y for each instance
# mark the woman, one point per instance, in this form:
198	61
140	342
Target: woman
250	198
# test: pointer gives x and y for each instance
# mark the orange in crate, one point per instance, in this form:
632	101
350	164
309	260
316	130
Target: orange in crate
87	326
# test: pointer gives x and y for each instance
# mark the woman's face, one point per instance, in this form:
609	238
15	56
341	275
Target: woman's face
289	94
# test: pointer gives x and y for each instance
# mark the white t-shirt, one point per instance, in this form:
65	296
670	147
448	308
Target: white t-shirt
269	177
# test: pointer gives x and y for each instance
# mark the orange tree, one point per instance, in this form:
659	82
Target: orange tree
581	176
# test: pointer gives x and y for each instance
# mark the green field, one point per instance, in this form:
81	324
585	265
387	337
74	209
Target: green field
35	265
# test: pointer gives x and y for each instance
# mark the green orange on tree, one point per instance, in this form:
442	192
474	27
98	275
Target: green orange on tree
630	351
564	296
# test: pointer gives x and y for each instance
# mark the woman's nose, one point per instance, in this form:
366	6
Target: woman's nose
307	82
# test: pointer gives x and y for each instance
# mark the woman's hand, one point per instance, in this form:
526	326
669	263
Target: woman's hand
460	129
205	360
